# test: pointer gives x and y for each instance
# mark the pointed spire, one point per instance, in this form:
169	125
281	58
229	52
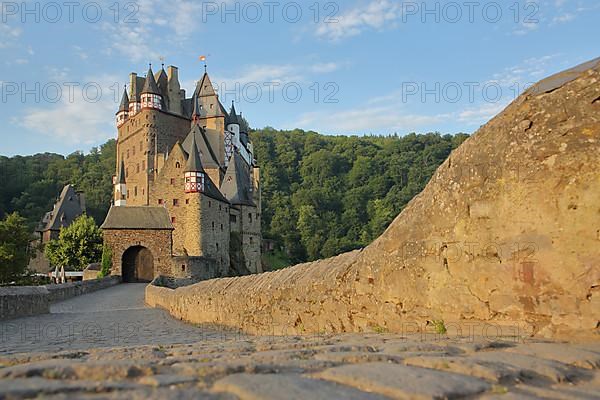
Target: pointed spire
122	173
233	118
124	101
193	163
150	84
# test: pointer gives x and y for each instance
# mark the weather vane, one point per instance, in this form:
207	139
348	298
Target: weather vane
162	61
203	59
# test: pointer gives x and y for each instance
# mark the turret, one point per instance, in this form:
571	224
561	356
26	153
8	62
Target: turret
194	173
123	113
121	187
233	123
150	96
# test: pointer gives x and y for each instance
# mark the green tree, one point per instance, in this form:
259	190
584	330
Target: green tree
14	248
78	245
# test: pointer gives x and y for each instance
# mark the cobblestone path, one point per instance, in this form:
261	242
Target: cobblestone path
111	317
170	360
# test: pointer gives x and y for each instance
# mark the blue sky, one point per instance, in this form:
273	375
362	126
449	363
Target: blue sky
355	67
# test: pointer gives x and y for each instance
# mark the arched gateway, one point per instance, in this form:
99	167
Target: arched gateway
140	240
137	265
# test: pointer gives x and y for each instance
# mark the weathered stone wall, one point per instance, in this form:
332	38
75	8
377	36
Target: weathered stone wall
214	225
196	268
67	290
507	231
157	241
251	237
136	147
22	301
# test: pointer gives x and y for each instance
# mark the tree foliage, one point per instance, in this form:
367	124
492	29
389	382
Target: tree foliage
321	195
77	246
14	248
31	184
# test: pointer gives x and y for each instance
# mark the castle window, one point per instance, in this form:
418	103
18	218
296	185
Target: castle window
173	220
250	239
250	216
221	227
213	225
217	246
175	202
143	165
212	106
233	218
127	193
187	201
172	181
127	153
209	203
160	201
182	267
127	172
135	191
138	168
177	165
219	207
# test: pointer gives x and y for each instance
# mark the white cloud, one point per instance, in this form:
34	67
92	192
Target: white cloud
324	68
561	19
374	15
79	121
8	35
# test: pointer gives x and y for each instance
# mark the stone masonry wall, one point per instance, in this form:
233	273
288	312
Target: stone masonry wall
23	301
136	147
506	232
157	241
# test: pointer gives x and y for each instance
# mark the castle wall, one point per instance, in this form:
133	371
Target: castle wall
168	190
157	241
215	231
137	149
251	237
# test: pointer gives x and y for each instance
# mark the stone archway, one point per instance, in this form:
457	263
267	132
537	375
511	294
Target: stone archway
137	265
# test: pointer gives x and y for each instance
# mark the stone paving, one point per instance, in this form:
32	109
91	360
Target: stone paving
181	361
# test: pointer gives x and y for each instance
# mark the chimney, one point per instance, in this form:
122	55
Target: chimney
133	87
174	90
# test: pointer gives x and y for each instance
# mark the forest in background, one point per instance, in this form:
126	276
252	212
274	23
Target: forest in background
322	195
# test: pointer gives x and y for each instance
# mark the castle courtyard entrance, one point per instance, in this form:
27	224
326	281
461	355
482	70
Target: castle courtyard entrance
138	265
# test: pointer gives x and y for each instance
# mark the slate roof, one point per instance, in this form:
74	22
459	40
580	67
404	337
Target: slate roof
150	84
124	102
207	155
193	163
122	172
138	218
198	110
236	183
65	211
232	117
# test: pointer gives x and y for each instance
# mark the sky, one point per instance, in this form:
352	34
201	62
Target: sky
352	67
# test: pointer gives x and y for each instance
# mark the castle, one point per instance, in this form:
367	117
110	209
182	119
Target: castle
187	186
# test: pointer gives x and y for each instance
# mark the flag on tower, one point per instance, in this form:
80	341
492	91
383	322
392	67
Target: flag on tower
202	58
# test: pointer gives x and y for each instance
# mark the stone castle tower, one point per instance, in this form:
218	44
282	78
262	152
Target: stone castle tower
194	159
